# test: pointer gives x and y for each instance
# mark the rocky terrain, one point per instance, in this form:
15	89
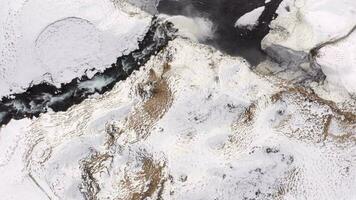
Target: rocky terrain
127	100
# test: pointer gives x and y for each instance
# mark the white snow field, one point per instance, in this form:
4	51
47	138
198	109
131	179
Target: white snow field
59	40
191	124
250	19
303	25
338	62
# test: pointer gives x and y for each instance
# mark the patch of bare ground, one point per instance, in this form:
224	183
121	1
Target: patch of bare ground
249	113
303	99
242	128
91	166
308	95
112	133
246	118
147	183
345	134
157	99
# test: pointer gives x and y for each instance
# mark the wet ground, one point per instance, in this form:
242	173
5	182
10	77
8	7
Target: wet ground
224	13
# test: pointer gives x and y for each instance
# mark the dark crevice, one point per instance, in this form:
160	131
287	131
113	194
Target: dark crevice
42	97
314	53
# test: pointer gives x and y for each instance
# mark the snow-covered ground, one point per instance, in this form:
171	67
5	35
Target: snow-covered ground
303	26
192	124
57	41
338	62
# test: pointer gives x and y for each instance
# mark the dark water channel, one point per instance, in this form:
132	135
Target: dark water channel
224	13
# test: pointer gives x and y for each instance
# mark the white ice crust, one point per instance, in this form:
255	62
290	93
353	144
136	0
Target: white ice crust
250	19
58	40
303	25
338	62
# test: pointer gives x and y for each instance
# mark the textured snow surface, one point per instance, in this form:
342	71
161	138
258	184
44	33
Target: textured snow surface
304	24
191	124
325	27
250	19
58	40
338	62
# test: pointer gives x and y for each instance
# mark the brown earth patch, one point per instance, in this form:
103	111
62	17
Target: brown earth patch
91	166
146	183
157	98
347	116
346	120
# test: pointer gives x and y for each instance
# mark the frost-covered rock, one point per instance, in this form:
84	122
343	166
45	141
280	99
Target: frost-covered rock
57	41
